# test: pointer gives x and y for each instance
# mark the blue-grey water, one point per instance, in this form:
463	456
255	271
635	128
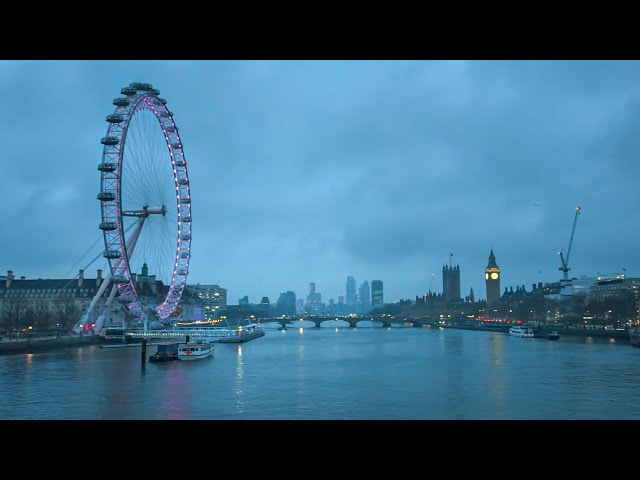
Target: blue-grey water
335	373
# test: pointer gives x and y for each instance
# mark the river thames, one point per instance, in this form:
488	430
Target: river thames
334	373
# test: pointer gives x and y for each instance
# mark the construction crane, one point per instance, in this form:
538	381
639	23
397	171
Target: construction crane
565	261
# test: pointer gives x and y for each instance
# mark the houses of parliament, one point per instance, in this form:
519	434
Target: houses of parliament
451	285
519	302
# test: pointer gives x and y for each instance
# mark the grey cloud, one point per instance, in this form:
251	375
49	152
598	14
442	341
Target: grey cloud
312	171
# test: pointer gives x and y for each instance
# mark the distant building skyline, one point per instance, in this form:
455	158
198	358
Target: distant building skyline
42	301
451	287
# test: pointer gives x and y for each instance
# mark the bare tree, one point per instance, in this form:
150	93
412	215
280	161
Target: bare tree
67	312
14	311
42	316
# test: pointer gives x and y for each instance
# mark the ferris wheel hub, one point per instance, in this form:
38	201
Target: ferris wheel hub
145	212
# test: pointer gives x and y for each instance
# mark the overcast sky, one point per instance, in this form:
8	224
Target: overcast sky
309	171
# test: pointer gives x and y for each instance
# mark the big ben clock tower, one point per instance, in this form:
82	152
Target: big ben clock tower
492	277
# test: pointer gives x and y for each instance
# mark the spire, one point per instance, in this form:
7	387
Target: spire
492	260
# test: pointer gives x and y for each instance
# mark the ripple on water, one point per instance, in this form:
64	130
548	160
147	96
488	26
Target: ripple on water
329	373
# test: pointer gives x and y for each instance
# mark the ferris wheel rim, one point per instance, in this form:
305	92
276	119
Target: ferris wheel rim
137	97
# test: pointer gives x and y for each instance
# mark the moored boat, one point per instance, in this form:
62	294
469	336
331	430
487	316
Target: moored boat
243	334
518	331
165	352
195	350
553	335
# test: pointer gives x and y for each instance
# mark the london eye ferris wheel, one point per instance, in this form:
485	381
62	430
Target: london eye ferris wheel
145	202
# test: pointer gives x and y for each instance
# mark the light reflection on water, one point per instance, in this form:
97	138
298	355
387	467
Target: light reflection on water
240	400
335	373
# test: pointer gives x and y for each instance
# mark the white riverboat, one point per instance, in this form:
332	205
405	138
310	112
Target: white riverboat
518	331
195	350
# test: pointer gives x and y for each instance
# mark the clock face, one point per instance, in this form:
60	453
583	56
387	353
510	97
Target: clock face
494	276
486	276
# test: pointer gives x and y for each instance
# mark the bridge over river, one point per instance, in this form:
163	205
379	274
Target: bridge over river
379	322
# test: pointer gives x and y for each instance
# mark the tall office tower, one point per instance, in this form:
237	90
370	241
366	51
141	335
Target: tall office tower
492	279
313	297
377	297
286	304
364	296
451	283
314	304
244	300
299	306
351	298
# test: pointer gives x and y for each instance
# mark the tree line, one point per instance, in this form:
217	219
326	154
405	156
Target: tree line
60	314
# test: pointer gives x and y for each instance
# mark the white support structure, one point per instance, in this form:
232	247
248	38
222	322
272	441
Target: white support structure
86	317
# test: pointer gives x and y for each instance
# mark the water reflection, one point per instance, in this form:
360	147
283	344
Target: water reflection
239	393
304	380
453	345
499	394
331	323
457	396
369	323
495	348
176	393
120	369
